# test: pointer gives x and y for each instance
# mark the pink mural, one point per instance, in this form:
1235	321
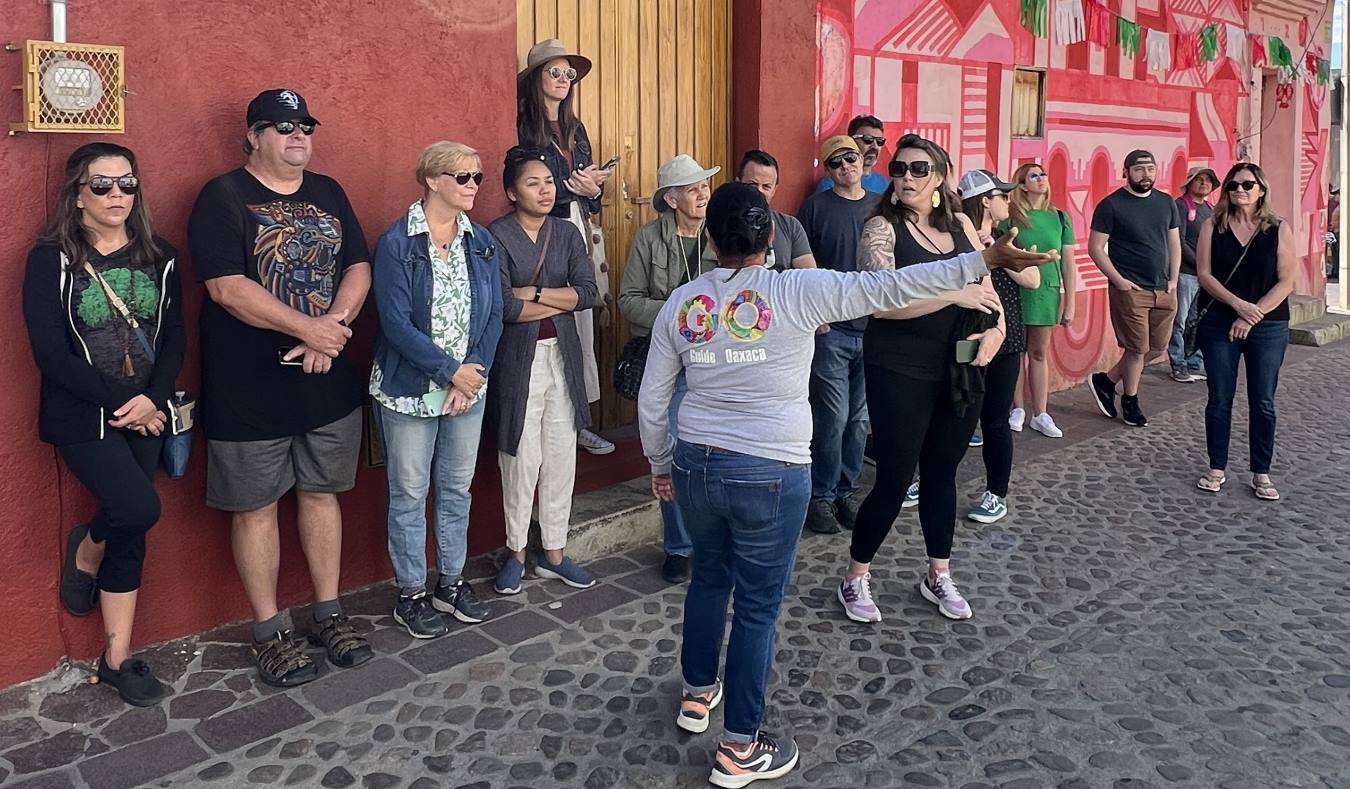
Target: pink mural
944	69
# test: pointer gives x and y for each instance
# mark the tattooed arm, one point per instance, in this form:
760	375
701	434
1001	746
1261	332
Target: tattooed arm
878	254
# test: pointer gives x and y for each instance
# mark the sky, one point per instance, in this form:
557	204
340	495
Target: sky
1337	33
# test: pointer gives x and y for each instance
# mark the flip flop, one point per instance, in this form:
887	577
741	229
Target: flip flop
1211	483
1265	491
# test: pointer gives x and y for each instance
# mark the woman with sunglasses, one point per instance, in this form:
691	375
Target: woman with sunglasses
1245	260
924	371
538	401
1041	225
739	464
546	120
438	294
101	300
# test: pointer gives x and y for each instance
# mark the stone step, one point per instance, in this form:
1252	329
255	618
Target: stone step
1323	331
1303	309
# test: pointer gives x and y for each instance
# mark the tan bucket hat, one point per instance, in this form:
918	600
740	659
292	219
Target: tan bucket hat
552	49
679	171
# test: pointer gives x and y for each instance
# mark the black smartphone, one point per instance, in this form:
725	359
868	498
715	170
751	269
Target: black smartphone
609	165
966	350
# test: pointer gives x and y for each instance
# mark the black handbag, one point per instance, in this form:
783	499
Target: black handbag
1190	339
630	366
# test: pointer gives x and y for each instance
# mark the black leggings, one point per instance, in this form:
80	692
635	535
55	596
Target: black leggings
999	382
119	471
914	424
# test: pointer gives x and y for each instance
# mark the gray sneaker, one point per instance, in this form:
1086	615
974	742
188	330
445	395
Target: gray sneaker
992	508
944	594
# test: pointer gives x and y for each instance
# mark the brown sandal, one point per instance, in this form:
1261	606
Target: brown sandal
1265	491
1212	481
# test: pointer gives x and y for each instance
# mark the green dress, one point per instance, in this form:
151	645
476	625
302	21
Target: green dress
1046	230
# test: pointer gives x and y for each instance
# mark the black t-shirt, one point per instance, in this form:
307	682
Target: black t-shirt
834	226
113	346
1138	229
297	247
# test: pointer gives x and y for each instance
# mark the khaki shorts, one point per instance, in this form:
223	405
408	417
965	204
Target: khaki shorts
1142	319
243	476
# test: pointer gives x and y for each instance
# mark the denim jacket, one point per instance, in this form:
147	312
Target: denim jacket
409	359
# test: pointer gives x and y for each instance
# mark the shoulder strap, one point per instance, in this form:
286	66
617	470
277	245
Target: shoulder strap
543	252
1231	272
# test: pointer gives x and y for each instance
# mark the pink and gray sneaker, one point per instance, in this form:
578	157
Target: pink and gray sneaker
855	594
942	592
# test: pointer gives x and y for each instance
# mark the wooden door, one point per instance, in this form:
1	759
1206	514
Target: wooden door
661	86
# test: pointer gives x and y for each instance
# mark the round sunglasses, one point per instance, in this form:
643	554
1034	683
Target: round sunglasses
836	162
1245	186
103	184
287	128
899	169
569	73
464	178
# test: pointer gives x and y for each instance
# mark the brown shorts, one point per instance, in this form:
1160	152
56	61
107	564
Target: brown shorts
1142	319
243	476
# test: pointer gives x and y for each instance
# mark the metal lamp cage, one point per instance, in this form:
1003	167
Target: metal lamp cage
73	88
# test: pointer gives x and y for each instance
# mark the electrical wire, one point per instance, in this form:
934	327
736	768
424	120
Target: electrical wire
1297	61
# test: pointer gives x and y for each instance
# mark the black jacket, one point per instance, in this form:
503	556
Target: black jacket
557	166
77	400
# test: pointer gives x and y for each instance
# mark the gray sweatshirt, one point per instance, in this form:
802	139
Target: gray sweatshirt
744	340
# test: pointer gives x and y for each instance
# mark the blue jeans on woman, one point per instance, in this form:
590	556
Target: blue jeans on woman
675	537
418	450
745	516
1262	352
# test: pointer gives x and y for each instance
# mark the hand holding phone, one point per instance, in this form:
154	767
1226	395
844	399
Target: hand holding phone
966	351
609	165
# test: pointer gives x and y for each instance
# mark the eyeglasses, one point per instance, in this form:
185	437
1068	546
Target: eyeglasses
899	169
838	161
464	178
103	184
556	72
1233	186
287	128
868	139
1037	177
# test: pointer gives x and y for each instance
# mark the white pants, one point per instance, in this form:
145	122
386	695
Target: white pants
590	371
546	457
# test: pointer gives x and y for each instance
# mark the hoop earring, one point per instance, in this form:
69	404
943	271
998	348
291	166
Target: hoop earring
937	199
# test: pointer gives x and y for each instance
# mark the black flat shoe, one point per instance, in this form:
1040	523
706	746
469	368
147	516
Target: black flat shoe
79	590
134	681
676	569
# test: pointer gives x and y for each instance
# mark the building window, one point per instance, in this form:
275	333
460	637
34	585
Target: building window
1028	103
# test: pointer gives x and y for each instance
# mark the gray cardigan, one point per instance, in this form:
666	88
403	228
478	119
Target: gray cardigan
568	264
655	268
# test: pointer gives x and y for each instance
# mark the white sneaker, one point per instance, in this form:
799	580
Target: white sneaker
1016	419
1043	424
593	443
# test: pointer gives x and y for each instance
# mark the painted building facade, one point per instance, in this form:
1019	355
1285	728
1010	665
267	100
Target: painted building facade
946	69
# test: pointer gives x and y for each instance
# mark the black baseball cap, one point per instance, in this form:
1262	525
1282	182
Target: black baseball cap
277	105
1136	156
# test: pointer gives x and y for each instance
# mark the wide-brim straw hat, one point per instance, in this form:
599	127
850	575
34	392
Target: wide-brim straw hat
552	49
680	171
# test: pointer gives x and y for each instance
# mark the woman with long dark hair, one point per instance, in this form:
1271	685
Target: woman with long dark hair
1245	260
924	367
739	465
546	119
101	301
984	199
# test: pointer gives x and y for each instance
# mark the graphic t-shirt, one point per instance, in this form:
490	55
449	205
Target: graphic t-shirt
1137	229
297	247
111	342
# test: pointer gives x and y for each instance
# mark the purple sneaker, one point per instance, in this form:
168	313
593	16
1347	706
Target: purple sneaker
944	594
856	597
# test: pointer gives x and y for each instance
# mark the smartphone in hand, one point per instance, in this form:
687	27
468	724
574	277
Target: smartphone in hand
966	351
609	165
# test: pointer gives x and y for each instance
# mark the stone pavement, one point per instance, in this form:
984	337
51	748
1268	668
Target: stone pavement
1129	631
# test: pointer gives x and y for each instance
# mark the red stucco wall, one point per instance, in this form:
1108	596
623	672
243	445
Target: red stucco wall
385	84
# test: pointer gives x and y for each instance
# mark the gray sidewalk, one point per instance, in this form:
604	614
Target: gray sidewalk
1129	631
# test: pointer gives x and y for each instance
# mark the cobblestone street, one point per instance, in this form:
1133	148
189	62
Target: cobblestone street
1129	631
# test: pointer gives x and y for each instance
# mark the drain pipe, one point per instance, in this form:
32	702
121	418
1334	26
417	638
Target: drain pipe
58	20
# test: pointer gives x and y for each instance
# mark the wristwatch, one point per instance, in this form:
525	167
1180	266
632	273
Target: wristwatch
538	291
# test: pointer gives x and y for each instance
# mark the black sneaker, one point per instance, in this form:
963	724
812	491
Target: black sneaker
1130	413
764	759
346	647
820	517
79	590
1104	394
676	569
134	681
459	599
282	662
417	614
846	511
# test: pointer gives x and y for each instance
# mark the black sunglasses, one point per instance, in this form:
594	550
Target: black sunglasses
838	161
287	128
1245	186
900	169
103	184
556	72
870	140
464	178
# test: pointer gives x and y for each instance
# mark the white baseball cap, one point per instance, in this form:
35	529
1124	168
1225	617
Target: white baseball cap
979	182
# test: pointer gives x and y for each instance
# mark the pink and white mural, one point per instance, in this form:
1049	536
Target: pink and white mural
944	69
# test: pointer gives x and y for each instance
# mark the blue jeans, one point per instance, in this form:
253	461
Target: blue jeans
674	536
417	451
1263	353
839	415
1188	291
745	515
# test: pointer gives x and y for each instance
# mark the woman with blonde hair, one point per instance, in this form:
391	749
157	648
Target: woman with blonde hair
1039	224
437	291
